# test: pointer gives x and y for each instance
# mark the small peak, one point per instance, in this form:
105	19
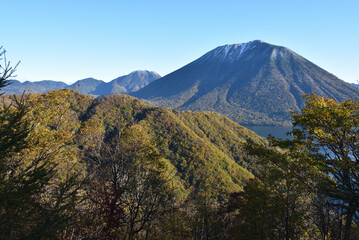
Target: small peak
89	79
137	71
257	41
140	72
145	72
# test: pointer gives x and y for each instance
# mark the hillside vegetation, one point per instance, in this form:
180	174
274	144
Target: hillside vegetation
117	168
85	143
77	167
191	143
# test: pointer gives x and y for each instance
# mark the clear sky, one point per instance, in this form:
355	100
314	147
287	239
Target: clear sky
68	40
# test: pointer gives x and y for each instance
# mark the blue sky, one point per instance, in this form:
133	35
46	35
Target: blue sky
71	40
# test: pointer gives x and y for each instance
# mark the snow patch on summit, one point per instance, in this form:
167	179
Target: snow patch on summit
233	52
274	54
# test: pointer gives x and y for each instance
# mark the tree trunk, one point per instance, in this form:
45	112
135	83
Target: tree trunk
348	222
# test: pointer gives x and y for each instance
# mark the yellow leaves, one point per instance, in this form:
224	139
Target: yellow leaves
54	128
323	116
319	132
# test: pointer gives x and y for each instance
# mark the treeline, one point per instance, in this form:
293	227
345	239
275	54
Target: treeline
75	167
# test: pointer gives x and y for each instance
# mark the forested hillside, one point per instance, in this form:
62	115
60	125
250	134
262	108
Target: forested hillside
86	143
77	167
191	143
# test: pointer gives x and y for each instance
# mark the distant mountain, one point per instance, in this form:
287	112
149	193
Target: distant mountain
86	86
17	87
252	83
124	84
127	84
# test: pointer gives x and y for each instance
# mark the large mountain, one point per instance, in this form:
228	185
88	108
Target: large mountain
124	84
253	83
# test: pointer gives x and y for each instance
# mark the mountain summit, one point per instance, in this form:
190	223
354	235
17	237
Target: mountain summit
128	83
253	83
231	52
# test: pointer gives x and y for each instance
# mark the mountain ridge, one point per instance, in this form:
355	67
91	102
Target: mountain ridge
237	79
133	82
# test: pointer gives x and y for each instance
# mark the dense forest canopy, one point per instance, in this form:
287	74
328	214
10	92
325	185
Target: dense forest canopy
77	167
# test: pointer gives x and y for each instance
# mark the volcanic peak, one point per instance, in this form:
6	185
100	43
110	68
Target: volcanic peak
232	52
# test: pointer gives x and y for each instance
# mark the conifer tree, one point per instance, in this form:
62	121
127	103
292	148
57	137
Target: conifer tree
33	205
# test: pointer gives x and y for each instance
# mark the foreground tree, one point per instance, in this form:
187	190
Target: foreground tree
274	204
128	191
307	185
14	129
328	131
34	202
